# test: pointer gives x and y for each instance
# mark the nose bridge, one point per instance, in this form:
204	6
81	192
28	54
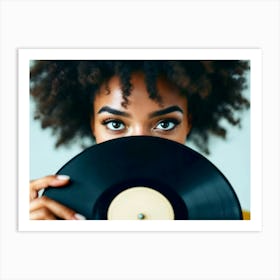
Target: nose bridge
140	130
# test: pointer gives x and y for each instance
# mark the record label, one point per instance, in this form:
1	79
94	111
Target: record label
140	203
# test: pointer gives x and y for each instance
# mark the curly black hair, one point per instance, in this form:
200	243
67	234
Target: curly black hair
64	91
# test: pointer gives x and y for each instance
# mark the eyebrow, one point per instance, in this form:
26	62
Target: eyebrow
165	111
110	110
158	113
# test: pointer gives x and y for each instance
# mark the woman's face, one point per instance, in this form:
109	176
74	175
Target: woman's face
142	116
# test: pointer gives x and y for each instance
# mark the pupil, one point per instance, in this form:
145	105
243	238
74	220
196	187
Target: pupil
116	124
164	124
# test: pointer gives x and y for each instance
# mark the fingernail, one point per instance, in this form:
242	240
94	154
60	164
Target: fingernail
62	177
79	217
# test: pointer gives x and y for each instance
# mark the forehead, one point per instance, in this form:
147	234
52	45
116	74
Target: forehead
112	92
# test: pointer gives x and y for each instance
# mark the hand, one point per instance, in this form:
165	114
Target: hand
44	208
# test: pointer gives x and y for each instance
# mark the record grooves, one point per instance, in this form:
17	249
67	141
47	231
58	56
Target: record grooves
194	187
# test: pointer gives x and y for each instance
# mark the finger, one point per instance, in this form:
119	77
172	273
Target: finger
49	181
33	194
55	208
42	214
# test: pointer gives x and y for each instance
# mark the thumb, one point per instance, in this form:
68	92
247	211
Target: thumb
51	180
48	181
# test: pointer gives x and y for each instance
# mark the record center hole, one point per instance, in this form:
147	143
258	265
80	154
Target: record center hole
141	216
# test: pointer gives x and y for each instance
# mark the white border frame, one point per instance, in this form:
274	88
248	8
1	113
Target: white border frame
254	55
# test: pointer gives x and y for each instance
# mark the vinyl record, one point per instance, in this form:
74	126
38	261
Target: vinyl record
143	177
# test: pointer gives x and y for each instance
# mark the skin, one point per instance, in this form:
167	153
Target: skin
143	116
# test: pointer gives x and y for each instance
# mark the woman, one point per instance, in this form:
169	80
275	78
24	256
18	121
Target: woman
176	100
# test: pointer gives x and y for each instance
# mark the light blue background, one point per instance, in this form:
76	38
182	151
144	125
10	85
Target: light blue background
232	156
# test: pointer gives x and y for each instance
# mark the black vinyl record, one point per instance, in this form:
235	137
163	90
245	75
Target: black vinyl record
193	186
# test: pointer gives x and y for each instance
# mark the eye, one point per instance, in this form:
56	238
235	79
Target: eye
167	124
114	125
